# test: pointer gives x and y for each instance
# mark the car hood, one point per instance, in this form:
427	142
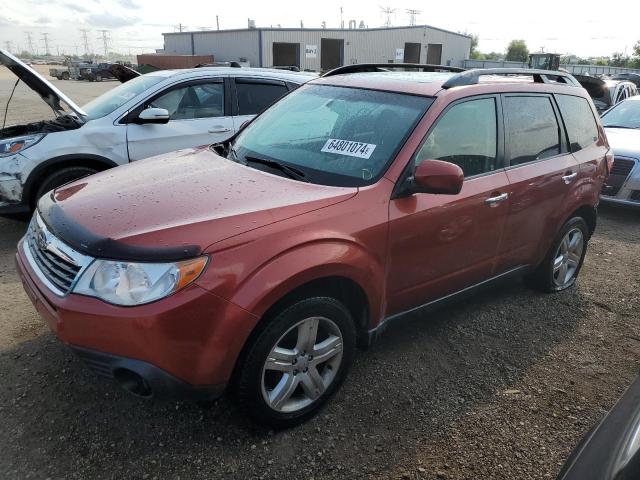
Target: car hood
122	72
175	206
624	141
36	82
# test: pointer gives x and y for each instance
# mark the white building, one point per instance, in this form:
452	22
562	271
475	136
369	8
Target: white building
323	49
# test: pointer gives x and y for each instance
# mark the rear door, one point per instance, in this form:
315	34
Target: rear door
541	172
199	115
440	244
253	95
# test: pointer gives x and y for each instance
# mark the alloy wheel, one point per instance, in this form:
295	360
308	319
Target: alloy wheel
567	258
302	364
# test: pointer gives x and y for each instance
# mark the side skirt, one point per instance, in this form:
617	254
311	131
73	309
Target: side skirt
447	300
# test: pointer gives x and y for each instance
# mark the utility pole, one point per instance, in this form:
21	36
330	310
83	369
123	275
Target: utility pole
45	39
105	41
85	40
30	43
412	15
341	19
9	45
217	22
387	11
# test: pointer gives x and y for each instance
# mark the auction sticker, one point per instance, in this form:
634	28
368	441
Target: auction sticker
348	147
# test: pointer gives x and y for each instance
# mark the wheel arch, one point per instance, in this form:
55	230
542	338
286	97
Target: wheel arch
590	215
38	174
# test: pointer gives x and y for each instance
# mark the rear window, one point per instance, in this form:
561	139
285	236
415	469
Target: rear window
579	121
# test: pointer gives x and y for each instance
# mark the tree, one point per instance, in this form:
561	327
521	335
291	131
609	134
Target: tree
636	49
517	51
473	52
619	60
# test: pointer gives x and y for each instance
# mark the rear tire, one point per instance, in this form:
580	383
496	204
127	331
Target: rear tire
561	266
65	76
279	382
59	178
98	78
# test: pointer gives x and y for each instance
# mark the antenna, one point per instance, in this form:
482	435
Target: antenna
30	42
85	40
388	11
105	41
45	39
412	15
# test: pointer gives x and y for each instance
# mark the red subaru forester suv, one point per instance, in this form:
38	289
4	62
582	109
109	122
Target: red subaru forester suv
259	264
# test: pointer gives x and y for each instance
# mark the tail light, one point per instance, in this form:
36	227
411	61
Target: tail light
609	161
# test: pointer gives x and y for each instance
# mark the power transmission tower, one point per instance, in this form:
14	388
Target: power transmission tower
105	41
412	15
387	11
85	40
45	40
30	42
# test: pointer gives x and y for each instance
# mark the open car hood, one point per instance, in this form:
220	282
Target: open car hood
123	73
36	82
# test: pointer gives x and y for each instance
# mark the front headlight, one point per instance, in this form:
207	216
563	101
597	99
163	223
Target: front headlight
11	146
127	283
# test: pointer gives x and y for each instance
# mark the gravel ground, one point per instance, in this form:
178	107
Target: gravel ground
501	387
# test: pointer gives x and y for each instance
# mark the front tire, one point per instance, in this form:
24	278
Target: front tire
561	266
59	178
297	362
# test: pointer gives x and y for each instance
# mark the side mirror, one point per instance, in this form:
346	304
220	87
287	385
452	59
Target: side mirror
153	115
436	176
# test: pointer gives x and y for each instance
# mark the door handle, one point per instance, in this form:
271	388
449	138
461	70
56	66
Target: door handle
492	201
219	129
568	178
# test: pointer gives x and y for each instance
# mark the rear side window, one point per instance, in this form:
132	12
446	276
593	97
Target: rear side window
579	121
532	130
465	135
254	97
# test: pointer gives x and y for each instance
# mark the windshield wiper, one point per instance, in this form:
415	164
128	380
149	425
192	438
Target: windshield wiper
291	172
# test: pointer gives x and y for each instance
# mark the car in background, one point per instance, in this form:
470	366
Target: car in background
364	195
148	115
622	125
59	73
610	450
97	72
631	77
606	92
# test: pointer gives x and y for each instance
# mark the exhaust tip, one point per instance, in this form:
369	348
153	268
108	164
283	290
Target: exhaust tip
132	382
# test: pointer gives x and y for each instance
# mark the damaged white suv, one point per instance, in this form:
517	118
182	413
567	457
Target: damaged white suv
147	115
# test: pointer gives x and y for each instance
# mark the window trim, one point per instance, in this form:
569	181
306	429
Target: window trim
562	134
499	135
564	124
235	107
135	111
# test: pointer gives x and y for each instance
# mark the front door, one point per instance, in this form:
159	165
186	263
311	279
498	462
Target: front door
197	117
440	244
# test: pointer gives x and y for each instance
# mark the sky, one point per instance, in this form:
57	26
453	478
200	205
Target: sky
586	29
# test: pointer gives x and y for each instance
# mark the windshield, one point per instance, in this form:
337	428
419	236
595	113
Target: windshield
625	114
333	135
109	101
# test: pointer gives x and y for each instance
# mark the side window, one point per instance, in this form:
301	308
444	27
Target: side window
465	135
255	96
202	100
579	121
531	129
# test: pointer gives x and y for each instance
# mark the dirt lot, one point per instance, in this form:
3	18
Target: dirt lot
500	387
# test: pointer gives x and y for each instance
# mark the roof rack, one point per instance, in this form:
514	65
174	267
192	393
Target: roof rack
472	77
387	67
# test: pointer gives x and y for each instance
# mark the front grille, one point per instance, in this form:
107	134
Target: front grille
618	176
52	260
622	167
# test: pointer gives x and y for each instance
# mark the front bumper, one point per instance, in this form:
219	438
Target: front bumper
185	345
619	201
